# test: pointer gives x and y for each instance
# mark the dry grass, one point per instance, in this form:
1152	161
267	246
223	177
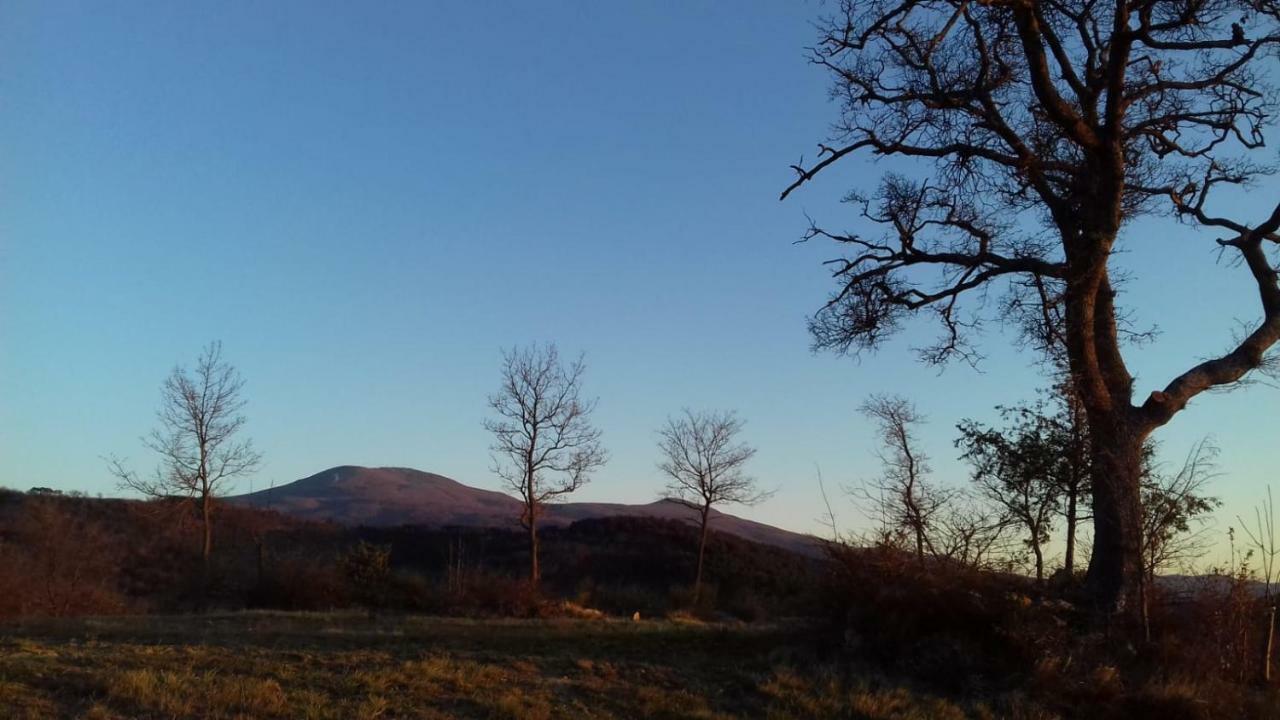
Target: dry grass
259	665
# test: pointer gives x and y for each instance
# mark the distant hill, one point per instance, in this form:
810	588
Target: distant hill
387	497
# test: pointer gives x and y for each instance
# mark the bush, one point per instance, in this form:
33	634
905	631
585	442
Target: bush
298	583
367	570
963	631
486	594
60	560
745	606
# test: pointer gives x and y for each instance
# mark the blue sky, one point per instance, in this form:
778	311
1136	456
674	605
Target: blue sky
366	202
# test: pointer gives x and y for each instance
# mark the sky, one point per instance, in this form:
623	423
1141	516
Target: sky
366	202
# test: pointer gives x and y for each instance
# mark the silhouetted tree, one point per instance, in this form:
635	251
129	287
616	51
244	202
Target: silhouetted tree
1050	126
906	501
544	443
1261	540
1036	467
197	440
1175	511
705	465
970	531
1015	470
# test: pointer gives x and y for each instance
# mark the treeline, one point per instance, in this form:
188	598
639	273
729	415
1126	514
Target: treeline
545	446
74	555
1028	490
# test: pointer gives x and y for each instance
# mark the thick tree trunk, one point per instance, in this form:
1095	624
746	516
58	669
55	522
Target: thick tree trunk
702	551
1104	387
1039	554
1115	568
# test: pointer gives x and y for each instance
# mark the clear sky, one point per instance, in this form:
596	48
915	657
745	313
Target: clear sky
366	201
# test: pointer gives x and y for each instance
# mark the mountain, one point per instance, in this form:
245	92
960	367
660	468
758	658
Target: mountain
384	497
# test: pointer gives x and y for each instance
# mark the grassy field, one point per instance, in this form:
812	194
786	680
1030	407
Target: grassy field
273	665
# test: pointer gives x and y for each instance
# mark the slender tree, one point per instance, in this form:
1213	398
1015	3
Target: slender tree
198	440
971	532
1068	430
545	445
907	502
705	464
1176	510
1050	127
1261	540
1016	469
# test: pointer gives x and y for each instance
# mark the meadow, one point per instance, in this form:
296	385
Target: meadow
349	665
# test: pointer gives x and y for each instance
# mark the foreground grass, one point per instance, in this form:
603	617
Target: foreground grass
272	665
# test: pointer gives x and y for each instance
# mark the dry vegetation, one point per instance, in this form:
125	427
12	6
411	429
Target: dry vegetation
273	665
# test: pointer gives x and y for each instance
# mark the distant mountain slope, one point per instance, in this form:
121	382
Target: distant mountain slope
381	497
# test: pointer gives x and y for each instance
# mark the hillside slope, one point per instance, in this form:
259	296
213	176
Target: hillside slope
384	497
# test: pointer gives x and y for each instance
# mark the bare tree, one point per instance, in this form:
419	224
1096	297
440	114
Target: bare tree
1261	538
197	440
971	532
903	496
544	443
705	465
1049	127
1176	510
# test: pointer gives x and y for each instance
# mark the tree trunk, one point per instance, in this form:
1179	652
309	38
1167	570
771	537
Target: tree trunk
1115	568
1035	549
535	574
1266	652
1069	556
1104	386
702	551
206	548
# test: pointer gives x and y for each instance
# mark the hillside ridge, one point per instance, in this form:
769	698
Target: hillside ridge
389	496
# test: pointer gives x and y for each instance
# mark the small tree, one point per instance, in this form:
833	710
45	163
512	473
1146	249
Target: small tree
544	443
903	496
971	532
1018	469
367	568
1262	540
197	440
704	462
1063	426
1176	510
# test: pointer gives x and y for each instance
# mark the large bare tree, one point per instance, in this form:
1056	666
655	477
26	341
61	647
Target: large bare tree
1042	130
545	445
197	439
705	466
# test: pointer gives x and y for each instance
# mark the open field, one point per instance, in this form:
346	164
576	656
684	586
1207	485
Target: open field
260	665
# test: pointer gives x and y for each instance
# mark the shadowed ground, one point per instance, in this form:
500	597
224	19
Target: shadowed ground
273	665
